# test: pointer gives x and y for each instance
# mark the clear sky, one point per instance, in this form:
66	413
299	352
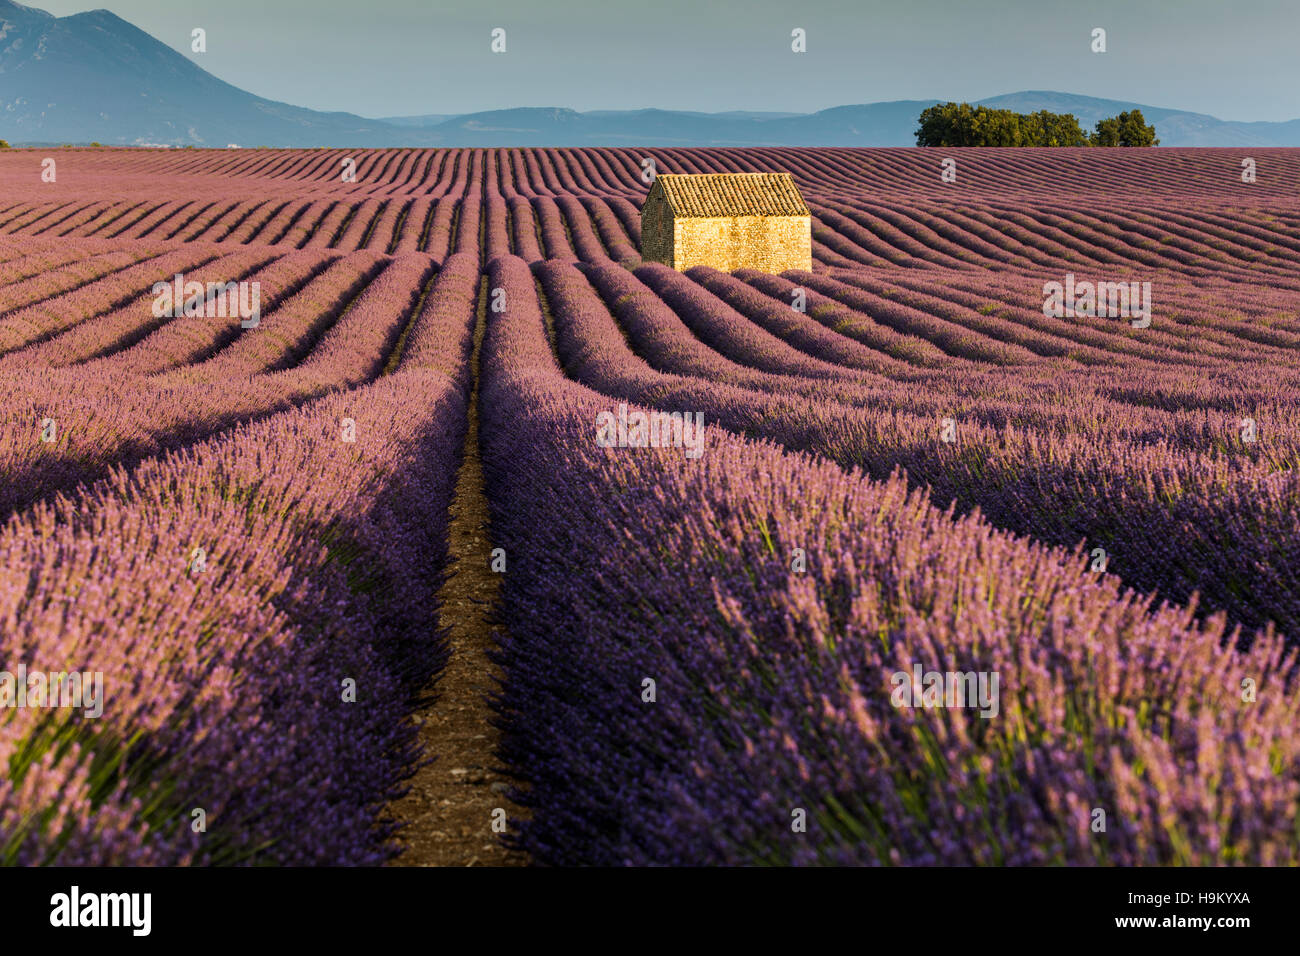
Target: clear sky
1235	59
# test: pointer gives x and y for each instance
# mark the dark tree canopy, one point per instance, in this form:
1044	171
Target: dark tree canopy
1127	129
960	124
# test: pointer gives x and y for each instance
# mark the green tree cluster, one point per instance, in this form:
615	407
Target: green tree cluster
960	124
1127	129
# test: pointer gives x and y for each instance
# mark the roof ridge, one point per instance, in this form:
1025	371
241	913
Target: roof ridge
710	195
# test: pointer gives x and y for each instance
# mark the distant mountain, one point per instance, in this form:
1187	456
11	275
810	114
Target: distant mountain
728	114
1173	127
564	127
94	77
874	124
426	119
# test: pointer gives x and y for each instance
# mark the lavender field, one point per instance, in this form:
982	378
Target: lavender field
977	544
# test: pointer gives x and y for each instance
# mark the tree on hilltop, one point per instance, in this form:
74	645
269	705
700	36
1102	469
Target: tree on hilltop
1126	129
961	124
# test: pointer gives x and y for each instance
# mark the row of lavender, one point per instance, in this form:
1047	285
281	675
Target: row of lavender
920	332
585	204
702	661
114	386
1142	176
930	349
257	609
380	595
848	233
1166	518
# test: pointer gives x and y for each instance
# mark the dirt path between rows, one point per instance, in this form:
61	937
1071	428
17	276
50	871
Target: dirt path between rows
448	811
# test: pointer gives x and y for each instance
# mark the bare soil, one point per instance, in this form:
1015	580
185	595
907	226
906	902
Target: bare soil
448	811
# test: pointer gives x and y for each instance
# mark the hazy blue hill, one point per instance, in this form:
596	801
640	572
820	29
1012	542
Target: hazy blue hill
1174	127
95	77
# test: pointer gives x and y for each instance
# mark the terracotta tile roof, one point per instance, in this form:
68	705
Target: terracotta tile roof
732	194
